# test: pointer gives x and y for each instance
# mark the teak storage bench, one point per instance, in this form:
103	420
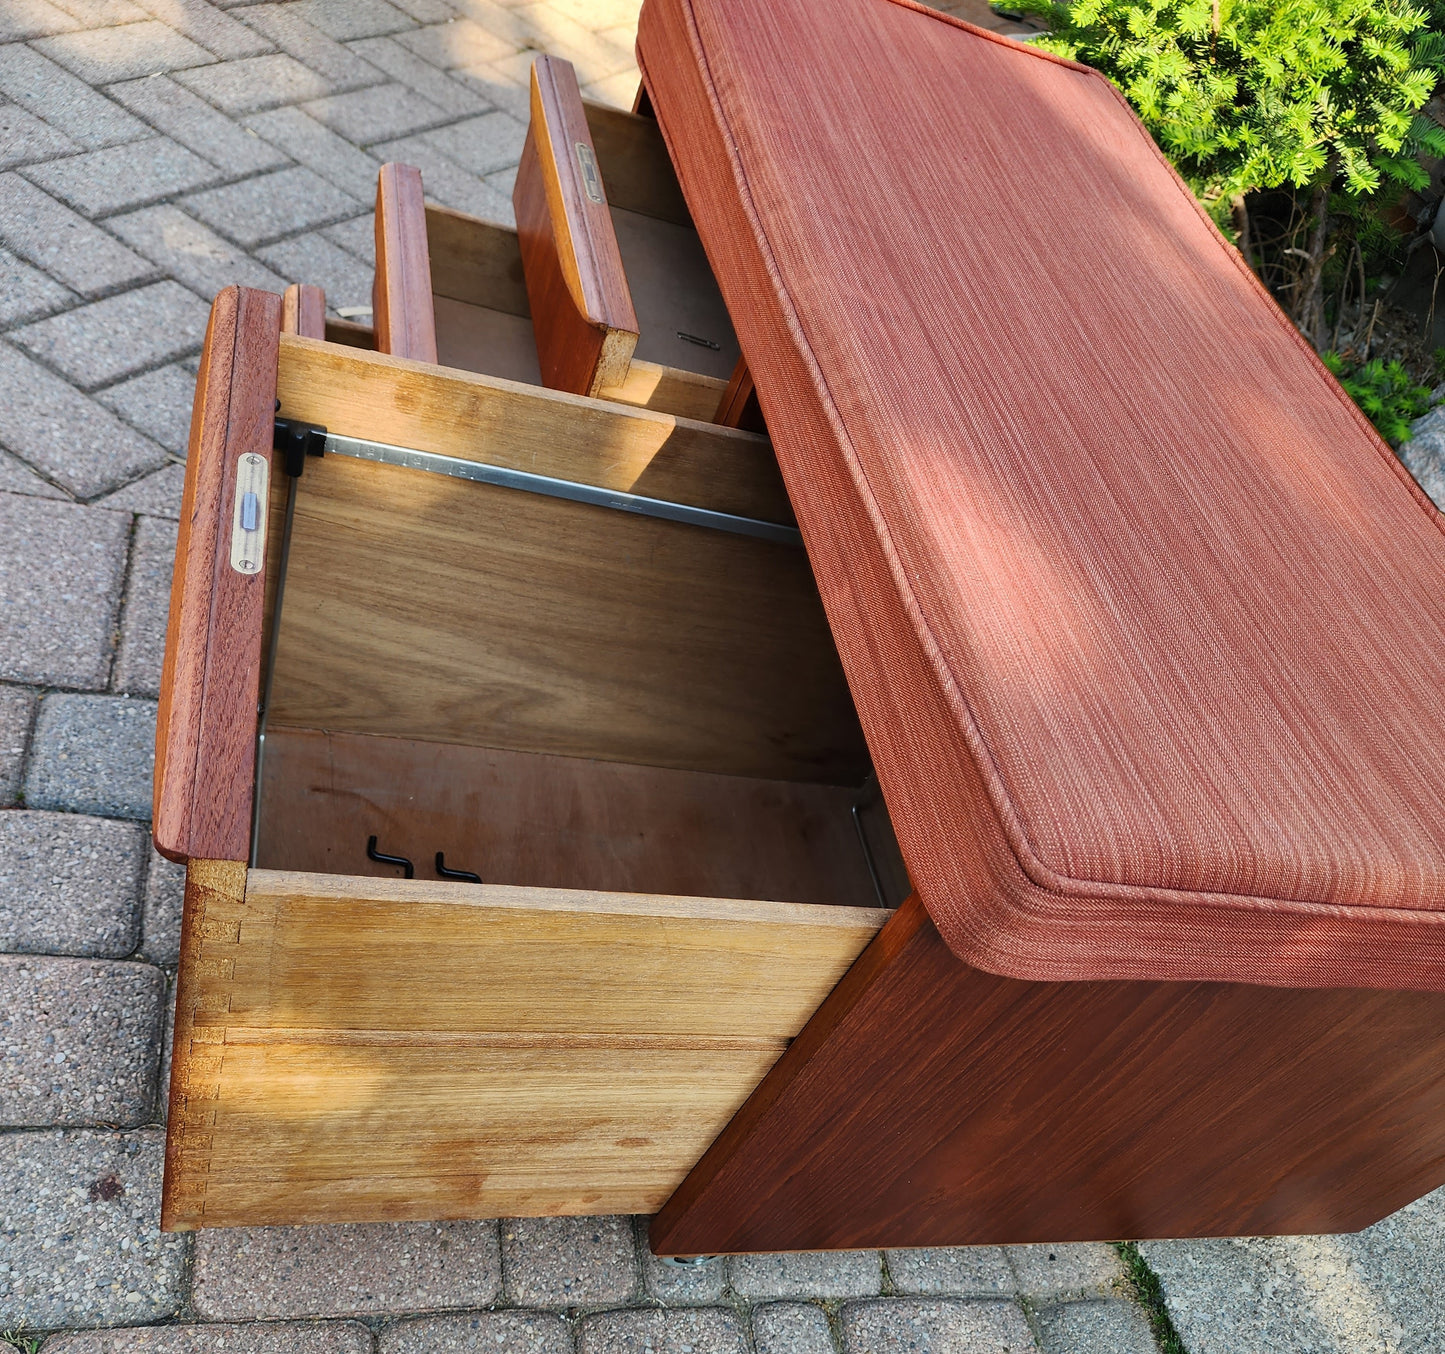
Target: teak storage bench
1139	625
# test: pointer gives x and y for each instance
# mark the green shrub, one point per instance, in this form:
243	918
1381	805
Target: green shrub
1385	392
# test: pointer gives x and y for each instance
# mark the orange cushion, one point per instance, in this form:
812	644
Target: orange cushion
1145	626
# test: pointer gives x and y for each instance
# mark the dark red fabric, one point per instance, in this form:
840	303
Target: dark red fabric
1146	627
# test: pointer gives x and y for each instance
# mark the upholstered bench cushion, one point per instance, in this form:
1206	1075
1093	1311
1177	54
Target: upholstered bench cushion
1146	627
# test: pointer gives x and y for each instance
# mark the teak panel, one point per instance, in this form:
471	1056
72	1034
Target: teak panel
931	1104
431	608
556	822
507	423
303	310
401	294
476	261
210	681
581	306
369	1050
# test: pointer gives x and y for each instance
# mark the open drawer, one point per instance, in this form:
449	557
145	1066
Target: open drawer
633	730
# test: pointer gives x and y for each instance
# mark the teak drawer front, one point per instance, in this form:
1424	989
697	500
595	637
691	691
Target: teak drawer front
362	1049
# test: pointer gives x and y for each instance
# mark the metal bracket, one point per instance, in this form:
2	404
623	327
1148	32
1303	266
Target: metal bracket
296	441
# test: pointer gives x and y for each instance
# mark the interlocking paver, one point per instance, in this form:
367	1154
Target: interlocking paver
257	210
964	1271
26	293
310	46
165	892
69	884
446	182
376	114
479	1333
70	438
1110	1327
569	1262
261	1337
699	1330
314	259
17	711
21	19
260	82
103	13
99	343
81	1040
80	1242
346	19
110	180
54	95
458	43
592	55
24	139
934	1326
203	23
61	567
189	119
357	236
806	1274
1080	1269
102	56
618	90
191	252
93	754
498	87
156	495
147	602
680	1285
427	11
792	1328
62	242
157	403
244	1273
481	145
410	70
318	148
18	478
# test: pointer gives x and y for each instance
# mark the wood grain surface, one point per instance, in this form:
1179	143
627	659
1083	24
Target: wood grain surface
401	295
303	310
931	1104
556	822
636	170
738	407
581	306
371	1050
210	680
476	261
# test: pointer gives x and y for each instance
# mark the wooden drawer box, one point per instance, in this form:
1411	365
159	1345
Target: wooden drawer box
634	730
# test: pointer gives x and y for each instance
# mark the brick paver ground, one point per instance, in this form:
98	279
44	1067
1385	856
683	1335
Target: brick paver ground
151	152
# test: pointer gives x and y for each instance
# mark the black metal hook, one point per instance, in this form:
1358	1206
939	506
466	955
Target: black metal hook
445	873
373	854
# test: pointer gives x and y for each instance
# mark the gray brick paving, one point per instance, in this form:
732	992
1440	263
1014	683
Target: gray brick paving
191	252
934	1326
157	403
147	603
97	344
156	495
54	95
259	82
246	1273
446	182
380	113
479	1333
61	568
283	24
971	1271
165	891
80	1241
701	1330
105	55
63	434
207	26
25	139
271	1337
481	145
508	92
262	209
460	42
189	119
425	79
17	478
26	293
313	258
101	182
680	1285
1113	1327
81	1040
1082	1269
569	1262
357	237
69	884
320	149
345	19
93	754
854	1274
22	19
63	243
17	711
792	1328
